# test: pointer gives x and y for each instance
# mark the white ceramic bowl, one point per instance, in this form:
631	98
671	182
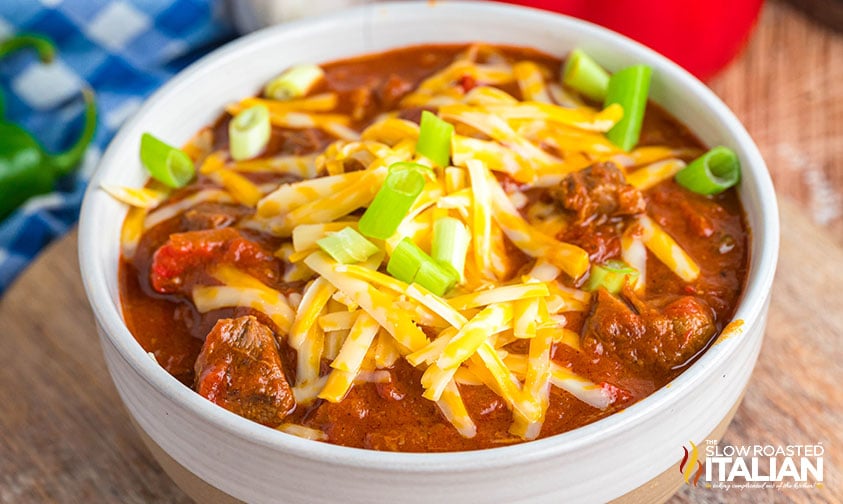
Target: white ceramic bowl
635	449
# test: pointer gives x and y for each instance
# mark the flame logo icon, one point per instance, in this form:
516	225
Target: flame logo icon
686	467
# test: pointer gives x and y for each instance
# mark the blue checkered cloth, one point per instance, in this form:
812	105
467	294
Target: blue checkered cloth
124	50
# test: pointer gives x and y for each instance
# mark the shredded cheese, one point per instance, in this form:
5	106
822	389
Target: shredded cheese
303	432
386	354
655	173
288	197
316	296
665	248
324	102
481	225
634	253
569	258
216	297
453	408
309	356
301	166
142	197
525	312
500	295
391	131
356	344
341	203
375	302
133	227
337	321
242	190
492	319
531	81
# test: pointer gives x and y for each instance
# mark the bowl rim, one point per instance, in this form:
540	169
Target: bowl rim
750	308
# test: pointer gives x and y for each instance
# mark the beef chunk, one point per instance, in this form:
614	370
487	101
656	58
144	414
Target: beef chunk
648	335
212	216
239	368
598	191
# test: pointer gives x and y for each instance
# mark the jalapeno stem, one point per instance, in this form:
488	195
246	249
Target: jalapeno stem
42	45
63	163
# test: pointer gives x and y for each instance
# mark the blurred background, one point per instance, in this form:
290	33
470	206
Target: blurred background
125	49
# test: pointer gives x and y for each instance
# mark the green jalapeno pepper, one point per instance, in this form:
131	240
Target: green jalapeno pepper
26	168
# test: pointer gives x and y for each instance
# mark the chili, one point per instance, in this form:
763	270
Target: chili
26	168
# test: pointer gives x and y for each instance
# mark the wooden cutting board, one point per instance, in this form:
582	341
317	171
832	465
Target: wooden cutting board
65	437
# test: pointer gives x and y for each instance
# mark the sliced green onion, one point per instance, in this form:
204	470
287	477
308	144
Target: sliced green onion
293	82
583	74
165	163
248	132
425	171
612	276
712	173
450	243
409	263
628	88
347	246
435	138
406	260
436	277
391	204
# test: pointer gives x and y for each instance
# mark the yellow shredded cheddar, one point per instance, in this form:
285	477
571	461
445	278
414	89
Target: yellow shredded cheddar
570	258
309	356
338	320
531	81
375	302
481	224
316	296
288	197
356	344
303	432
242	190
634	253
133	227
324	102
500	295
333	342
386	354
137	197
391	131
301	166
273	305
525	314
665	248
655	173
492	319
453	408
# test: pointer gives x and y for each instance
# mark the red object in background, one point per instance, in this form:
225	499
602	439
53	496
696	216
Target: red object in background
701	35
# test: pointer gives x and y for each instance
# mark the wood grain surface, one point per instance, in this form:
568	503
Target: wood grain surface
787	89
65	437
